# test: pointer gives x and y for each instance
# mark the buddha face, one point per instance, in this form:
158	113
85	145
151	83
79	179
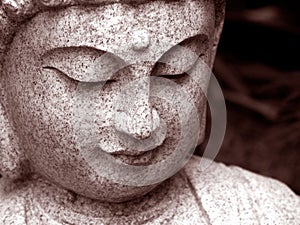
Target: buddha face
52	70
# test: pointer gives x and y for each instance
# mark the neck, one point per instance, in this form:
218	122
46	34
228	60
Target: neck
64	206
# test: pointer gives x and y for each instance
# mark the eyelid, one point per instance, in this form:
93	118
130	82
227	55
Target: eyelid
87	83
168	70
174	77
82	64
59	71
182	57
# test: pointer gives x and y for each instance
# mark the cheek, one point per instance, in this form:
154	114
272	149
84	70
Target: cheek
196	88
66	112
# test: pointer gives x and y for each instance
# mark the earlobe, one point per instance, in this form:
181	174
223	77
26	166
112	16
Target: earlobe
11	157
217	36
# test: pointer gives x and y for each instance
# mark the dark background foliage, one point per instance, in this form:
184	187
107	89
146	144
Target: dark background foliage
258	66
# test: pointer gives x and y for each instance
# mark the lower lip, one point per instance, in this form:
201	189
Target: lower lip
140	160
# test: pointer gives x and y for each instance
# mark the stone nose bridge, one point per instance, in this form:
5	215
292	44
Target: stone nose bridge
135	115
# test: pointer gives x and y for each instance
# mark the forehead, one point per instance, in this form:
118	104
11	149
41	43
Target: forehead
112	27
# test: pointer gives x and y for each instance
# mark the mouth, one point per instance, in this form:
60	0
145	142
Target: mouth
142	159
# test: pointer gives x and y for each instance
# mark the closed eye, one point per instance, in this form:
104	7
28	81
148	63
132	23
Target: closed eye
174	77
182	57
83	64
87	83
51	68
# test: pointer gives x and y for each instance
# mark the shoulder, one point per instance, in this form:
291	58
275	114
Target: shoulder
12	205
240	196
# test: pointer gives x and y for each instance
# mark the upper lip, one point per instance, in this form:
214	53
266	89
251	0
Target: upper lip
130	152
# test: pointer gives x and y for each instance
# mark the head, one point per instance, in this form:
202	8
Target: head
47	51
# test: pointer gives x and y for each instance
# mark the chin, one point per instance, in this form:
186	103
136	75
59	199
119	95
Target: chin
101	189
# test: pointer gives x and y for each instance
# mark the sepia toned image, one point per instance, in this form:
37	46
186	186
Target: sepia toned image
149	112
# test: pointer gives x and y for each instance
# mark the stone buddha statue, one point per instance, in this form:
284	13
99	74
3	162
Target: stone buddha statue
99	108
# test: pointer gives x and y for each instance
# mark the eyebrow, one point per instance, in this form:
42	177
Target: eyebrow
71	49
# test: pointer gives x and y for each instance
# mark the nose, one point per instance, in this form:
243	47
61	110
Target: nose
134	114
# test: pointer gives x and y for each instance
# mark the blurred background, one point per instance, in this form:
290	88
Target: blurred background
258	67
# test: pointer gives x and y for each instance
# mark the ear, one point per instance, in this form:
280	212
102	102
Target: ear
11	157
219	22
220	16
202	121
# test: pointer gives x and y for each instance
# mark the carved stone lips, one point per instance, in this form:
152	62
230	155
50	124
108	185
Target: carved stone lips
135	153
141	159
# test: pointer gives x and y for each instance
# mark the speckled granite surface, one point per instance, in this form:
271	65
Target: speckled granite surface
58	104
220	195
